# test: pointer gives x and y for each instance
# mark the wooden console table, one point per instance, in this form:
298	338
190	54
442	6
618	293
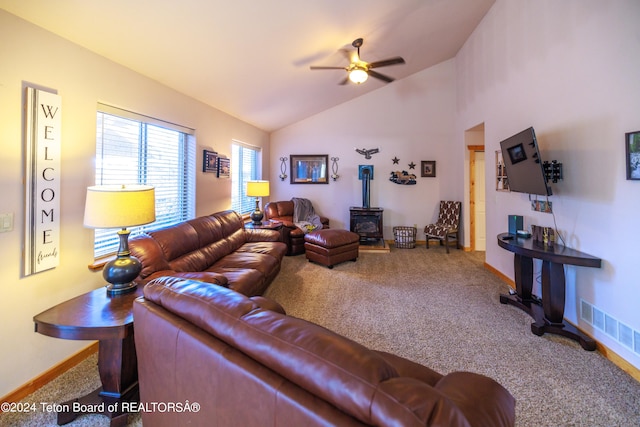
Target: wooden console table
109	319
548	314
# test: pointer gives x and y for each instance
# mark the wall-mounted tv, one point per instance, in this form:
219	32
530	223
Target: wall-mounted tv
524	166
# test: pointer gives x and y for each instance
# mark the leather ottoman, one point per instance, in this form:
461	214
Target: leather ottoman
330	246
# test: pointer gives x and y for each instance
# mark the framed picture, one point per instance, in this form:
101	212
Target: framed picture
309	168
224	167
632	145
210	161
428	168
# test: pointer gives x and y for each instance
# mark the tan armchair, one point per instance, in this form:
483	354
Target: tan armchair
293	236
446	228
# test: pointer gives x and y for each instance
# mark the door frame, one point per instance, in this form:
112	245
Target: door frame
473	149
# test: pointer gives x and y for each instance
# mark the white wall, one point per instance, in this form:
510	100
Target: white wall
411	119
569	69
30	54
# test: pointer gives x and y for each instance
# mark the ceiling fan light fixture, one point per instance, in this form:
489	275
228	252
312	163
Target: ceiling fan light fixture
358	75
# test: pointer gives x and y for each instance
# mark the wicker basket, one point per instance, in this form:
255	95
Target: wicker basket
405	237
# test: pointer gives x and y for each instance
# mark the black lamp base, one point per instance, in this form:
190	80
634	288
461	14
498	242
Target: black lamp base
114	290
256	217
122	271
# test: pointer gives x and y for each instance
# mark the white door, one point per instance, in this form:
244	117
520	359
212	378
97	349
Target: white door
480	210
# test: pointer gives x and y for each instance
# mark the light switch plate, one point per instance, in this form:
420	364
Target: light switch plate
6	222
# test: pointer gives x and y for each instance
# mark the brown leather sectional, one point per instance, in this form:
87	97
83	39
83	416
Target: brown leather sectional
241	361
215	248
293	236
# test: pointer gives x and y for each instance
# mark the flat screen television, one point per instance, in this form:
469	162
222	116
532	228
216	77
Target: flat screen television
524	166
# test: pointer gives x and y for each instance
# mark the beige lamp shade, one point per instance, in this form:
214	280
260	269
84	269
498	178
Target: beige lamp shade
119	206
257	188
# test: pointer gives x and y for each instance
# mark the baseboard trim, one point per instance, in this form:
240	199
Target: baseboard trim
603	349
50	374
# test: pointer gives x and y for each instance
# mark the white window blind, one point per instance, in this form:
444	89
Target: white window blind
135	149
244	167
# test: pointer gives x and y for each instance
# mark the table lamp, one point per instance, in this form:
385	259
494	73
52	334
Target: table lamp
257	189
120	206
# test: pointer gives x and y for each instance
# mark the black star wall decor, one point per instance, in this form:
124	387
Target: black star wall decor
395	160
412	165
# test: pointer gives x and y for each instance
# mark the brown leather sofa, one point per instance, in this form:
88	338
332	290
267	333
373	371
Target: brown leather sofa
215	248
240	361
293	236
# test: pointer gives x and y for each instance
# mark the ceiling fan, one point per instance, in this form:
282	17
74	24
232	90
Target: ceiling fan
358	71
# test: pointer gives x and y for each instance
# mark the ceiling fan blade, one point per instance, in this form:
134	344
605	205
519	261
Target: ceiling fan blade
386	62
345	81
380	76
318	67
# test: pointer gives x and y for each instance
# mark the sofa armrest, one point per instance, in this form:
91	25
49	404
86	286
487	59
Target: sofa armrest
268	304
262	235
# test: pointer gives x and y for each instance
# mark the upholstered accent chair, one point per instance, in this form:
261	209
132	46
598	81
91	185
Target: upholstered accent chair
446	228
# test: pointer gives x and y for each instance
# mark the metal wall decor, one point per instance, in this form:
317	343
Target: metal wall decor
283	168
334	168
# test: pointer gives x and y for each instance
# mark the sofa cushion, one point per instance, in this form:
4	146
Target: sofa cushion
177	240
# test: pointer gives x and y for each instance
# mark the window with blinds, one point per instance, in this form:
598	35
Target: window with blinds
135	149
244	167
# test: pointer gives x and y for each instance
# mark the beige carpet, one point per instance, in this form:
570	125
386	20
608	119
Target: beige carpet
439	310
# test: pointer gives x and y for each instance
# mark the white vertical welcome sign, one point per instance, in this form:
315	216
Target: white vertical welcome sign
42	181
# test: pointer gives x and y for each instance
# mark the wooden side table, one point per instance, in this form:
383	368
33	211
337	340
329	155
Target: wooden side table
97	316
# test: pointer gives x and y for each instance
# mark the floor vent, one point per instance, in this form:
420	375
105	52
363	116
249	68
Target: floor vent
610	326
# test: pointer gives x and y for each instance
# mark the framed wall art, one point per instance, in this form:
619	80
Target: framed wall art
224	167
428	168
309	168
632	146
209	161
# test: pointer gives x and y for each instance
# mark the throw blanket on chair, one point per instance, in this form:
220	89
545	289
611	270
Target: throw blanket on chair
304	217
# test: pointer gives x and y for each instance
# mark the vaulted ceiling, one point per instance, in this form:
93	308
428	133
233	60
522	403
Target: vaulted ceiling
251	58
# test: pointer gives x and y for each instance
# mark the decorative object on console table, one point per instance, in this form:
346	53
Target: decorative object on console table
120	206
632	148
257	189
209	161
224	167
309	169
428	168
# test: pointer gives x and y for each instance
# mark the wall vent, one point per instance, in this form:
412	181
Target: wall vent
610	325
